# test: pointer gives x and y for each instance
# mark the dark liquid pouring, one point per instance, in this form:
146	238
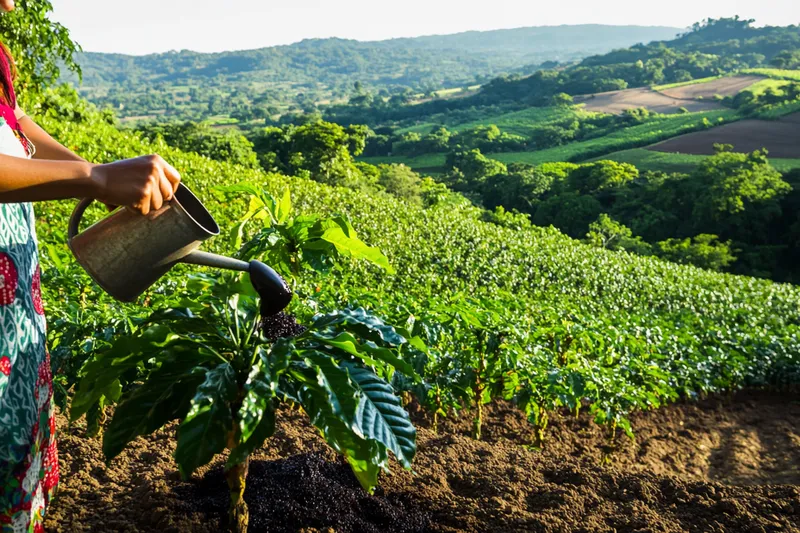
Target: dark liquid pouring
271	287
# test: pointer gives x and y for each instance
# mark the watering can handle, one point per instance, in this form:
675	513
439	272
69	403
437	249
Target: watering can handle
75	219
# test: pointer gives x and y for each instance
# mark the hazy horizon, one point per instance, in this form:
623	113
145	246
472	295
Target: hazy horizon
146	27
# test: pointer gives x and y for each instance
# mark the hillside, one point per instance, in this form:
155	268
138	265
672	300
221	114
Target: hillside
697	54
193	84
534	275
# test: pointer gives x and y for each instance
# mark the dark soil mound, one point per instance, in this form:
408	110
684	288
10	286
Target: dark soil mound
672	479
308	491
280	326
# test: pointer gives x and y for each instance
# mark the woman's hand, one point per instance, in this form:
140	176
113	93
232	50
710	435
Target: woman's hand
143	183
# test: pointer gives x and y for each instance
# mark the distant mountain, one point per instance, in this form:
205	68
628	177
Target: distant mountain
328	68
712	48
478	52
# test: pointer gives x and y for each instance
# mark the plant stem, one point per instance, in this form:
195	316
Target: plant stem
478	421
238	515
479	387
436	411
541	426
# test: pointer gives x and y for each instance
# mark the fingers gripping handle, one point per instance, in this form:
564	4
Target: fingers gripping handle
77	215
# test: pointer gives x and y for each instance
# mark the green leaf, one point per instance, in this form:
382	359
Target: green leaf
335	381
165	396
204	431
256	416
237	234
101	374
363	323
350	246
366	457
284	207
243	186
367	352
381	415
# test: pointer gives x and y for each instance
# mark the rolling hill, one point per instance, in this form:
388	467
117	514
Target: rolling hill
191	84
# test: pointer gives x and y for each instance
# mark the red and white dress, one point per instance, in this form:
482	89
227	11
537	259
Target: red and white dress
28	456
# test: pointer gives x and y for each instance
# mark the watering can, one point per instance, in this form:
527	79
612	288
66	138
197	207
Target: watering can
126	252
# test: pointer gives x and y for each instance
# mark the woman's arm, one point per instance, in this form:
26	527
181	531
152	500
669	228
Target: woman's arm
143	183
47	148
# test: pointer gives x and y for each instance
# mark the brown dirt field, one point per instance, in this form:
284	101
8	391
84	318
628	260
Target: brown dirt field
618	101
719	465
781	137
728	86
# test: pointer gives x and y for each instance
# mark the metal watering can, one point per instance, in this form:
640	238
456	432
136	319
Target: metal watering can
126	253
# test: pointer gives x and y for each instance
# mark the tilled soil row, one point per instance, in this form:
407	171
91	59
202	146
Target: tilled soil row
709	466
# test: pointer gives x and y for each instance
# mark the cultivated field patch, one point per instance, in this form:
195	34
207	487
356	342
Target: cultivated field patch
727	86
781	137
619	101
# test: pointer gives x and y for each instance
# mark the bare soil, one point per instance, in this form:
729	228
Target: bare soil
719	465
727	86
618	101
781	137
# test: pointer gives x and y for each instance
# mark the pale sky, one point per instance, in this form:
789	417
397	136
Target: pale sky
147	26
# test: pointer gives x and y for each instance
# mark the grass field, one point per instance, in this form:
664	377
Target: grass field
779	111
518	122
636	136
776	73
642	135
427	164
683	83
761	87
526	122
645	159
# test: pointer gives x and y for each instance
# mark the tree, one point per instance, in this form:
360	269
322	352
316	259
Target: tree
570	212
518	188
400	181
735	183
201	138
561	99
473	168
603	175
704	251
39	46
318	150
605	232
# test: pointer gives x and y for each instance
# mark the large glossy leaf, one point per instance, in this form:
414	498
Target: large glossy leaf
335	381
350	246
164	397
102	374
366	324
256	416
284	207
366	457
204	431
381	415
367	352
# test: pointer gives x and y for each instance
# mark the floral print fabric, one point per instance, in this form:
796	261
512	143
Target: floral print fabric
28	455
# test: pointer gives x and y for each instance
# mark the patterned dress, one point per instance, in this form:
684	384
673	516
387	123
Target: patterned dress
28	456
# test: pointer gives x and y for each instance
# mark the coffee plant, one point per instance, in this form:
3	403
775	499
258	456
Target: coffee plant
211	367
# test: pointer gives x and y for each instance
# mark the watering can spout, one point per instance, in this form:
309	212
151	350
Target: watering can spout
126	253
273	289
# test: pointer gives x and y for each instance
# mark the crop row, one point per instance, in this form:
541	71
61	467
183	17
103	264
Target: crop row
572	324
